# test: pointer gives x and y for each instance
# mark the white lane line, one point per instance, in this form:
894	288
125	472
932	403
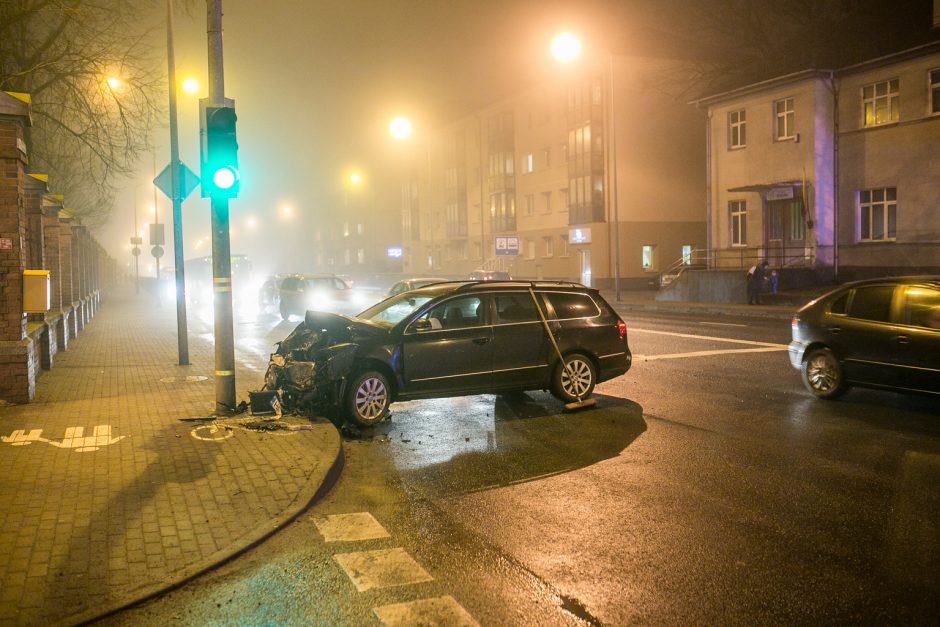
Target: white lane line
350	527
708	337
435	611
381	569
723	324
727	351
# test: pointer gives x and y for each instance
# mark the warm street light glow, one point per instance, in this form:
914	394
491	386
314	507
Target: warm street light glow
400	128
114	82
287	211
566	47
190	85
355	178
251	223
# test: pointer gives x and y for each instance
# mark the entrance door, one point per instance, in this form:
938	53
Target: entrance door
784	232
585	266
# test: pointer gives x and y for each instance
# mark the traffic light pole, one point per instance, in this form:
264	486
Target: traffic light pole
221	252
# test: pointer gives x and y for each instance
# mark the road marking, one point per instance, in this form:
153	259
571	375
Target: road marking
709	337
435	611
727	351
350	527
211	433
723	324
382	568
74	438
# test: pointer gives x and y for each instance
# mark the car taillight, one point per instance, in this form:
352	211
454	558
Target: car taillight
795	324
621	328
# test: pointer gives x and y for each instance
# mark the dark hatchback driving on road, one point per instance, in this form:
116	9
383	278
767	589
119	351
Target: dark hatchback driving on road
881	333
458	338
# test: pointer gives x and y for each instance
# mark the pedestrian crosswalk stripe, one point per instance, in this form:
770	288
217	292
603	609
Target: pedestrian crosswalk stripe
350	527
435	611
381	569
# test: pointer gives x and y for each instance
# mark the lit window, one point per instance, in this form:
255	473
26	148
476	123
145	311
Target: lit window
737	129
880	102
737	211
877	214
783	127
648	257
528	163
686	254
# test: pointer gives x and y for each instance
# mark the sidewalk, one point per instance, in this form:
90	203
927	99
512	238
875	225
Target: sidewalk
107	497
645	300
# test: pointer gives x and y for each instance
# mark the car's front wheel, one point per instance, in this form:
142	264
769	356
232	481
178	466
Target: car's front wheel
574	380
368	398
822	374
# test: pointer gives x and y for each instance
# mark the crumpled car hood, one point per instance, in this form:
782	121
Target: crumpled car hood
342	328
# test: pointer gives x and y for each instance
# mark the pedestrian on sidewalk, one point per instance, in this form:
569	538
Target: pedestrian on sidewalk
756	277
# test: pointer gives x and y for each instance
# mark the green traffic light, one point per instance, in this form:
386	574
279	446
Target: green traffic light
225	177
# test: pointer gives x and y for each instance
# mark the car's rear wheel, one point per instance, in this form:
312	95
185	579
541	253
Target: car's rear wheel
368	398
574	379
822	374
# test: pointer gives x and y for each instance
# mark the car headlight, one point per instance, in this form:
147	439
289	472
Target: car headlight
320	301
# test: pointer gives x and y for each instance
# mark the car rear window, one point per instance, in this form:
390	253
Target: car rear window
515	307
922	307
872	303
569	305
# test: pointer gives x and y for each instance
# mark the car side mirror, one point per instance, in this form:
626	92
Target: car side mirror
421	325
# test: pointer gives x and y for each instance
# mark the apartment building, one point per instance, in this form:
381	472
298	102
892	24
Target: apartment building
554	181
831	171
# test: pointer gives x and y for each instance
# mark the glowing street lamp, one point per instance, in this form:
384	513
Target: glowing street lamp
190	85
400	128
114	82
566	47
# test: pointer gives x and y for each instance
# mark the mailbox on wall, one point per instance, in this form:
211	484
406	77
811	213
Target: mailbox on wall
37	291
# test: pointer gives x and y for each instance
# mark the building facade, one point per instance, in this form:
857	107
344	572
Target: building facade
554	181
831	171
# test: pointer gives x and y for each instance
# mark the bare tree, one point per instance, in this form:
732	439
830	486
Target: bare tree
92	69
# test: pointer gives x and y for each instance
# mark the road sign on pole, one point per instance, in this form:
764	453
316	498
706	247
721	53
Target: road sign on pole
189	180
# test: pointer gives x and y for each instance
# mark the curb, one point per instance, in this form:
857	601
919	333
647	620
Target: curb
781	313
251	539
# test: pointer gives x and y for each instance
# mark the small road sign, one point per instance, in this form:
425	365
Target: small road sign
507	245
189	180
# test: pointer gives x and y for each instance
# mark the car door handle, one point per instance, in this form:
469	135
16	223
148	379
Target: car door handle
835	329
481	340
903	339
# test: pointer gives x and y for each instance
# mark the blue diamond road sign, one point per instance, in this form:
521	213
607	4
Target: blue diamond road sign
188	181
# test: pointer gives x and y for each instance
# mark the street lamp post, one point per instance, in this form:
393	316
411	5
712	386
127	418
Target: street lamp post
566	47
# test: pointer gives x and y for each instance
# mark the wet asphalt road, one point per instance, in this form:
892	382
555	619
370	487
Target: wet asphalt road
707	487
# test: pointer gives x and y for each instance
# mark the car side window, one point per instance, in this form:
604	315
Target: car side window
568	305
290	283
456	313
838	305
515	307
922	307
872	303
339	284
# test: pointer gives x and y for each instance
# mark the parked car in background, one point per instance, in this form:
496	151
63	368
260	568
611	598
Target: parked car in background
489	275
880	333
459	337
298	293
406	285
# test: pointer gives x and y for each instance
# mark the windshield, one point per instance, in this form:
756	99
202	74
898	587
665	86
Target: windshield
393	310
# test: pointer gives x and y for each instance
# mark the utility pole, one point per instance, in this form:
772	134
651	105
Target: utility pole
221	251
176	196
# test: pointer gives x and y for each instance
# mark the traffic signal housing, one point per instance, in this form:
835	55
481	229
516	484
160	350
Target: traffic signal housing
220	177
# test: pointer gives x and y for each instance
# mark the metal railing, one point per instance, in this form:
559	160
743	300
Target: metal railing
740	259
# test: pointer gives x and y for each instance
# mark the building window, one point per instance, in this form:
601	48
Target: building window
346	257
529	204
783	125
359	228
687	254
549	246
797	221
737	210
346	230
649	260
547	202
934	90
528	163
564	199
546	157
361	255
737	129
530	249
880	102
877	209
564	246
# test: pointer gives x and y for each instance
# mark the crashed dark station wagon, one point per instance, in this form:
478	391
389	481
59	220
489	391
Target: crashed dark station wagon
452	339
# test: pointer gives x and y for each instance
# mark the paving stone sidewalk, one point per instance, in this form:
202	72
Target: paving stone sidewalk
106	496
